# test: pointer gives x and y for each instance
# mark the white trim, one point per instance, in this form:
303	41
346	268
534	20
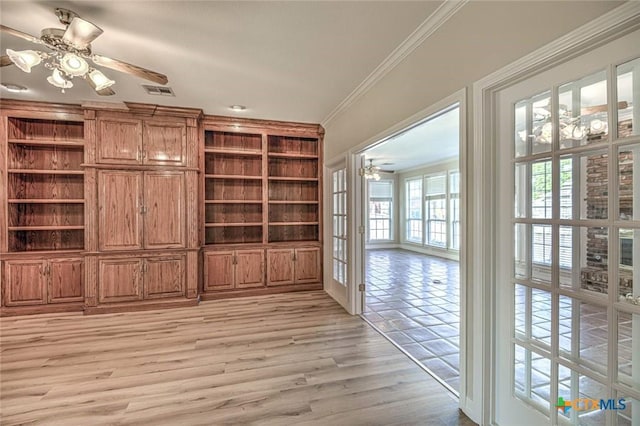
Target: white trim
429	26
375	246
416	119
480	403
431	251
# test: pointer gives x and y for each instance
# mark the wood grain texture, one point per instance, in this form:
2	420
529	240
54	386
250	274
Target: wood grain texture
165	143
120	280
164	203
25	283
280	269
119	141
65	280
164	277
250	268
284	359
119	201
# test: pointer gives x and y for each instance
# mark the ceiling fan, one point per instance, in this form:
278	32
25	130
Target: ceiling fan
71	56
373	172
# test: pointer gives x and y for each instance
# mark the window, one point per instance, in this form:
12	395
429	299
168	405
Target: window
454	210
380	210
414	210
339	213
436	209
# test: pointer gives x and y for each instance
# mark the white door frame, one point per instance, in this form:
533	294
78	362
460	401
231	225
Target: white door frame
357	206
480	401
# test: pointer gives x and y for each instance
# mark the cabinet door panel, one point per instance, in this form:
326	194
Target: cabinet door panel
119	280
249	268
280	269
307	265
164	201
119	141
164	143
218	270
65	280
164	277
25	283
120	226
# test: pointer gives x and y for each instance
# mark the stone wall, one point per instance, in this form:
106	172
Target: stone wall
594	276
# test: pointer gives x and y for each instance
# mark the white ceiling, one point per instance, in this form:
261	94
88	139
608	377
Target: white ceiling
283	60
433	141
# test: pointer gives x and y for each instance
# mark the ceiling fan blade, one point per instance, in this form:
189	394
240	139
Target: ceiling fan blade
81	33
130	69
20	34
4	61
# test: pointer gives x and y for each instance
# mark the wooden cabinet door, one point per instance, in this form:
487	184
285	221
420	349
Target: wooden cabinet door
119	280
280	267
164	204
164	143
25	282
119	141
249	268
65	280
308	265
218	270
164	277
120	225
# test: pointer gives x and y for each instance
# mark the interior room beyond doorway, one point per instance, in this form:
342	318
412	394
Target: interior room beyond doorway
412	271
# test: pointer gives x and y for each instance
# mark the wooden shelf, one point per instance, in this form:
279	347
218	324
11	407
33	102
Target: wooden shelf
71	143
45	228
293	179
224	225
293	155
46	201
241	177
247	152
233	201
46	172
292	223
291	202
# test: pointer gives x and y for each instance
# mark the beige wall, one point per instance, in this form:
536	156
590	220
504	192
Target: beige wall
480	38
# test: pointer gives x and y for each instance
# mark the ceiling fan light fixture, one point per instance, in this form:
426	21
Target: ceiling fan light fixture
24	59
371	171
99	80
74	65
59	80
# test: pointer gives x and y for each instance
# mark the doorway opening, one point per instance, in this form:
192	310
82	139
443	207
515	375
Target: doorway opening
412	220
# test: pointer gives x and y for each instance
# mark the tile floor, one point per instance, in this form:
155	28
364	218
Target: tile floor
415	300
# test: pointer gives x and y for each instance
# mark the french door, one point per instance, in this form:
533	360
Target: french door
568	318
336	249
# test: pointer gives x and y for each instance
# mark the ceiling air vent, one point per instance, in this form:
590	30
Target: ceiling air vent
158	90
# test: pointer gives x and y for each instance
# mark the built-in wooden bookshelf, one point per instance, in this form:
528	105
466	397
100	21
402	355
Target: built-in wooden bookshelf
262	207
293	189
233	188
45	204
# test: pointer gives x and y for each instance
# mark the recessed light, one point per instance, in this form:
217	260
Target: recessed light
15	88
237	107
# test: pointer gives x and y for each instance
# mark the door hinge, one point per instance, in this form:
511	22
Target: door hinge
361	230
361	171
361	287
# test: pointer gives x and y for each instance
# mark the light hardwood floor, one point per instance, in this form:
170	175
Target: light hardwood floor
282	359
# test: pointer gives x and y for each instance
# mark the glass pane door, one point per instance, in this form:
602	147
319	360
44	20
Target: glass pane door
573	331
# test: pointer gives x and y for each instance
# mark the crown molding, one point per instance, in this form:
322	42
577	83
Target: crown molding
613	24
429	26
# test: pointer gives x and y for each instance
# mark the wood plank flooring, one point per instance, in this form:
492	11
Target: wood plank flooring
280	359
